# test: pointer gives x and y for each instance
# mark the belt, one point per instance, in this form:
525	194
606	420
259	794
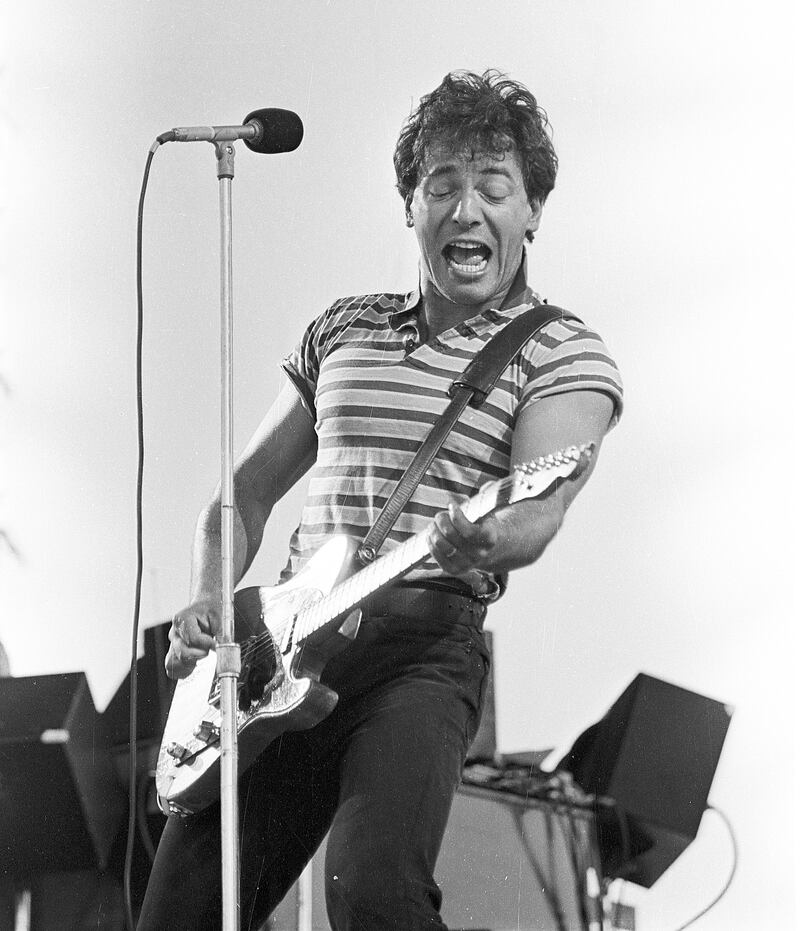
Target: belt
422	602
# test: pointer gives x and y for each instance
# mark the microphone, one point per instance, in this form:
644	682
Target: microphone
269	131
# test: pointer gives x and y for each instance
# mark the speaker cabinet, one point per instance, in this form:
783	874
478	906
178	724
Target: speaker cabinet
60	804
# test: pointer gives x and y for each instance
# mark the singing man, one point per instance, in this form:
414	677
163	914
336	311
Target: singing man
474	165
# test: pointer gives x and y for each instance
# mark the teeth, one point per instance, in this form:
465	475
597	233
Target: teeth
467	256
471	267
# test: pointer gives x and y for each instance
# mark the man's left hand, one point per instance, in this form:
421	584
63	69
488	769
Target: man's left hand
457	544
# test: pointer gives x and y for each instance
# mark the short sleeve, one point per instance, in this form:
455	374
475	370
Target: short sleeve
568	356
303	362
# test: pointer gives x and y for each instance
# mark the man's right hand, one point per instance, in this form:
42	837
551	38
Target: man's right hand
193	633
281	450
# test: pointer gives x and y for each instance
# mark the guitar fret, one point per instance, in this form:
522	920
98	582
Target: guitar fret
306	621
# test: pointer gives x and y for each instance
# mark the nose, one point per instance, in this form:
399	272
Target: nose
467	210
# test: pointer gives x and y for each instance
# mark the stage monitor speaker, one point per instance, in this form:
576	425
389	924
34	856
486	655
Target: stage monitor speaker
60	804
153	694
654	754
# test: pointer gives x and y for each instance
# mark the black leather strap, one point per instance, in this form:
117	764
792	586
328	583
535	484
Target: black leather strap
471	387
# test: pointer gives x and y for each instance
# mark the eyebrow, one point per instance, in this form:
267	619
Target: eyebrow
450	167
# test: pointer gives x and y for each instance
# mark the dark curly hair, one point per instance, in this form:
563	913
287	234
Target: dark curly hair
479	113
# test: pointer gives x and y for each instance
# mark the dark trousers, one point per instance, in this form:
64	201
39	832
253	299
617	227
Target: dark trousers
379	772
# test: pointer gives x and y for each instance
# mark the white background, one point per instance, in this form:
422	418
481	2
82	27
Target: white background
669	230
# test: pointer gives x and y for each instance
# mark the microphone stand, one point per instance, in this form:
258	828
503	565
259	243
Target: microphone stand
288	132
228	652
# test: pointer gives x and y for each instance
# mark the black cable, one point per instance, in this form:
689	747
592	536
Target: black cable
572	850
550	836
594	862
132	724
582	849
550	815
732	873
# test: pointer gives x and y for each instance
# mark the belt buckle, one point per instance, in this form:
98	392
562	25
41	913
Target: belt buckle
492	592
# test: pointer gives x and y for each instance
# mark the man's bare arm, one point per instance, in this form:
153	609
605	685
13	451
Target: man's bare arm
280	452
517	535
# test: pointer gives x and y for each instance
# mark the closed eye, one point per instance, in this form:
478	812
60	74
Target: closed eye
495	192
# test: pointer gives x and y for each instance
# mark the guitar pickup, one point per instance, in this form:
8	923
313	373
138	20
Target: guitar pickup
207	732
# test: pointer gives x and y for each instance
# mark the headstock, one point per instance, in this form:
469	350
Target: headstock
531	479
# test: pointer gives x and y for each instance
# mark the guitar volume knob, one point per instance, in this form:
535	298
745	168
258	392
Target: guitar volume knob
177	751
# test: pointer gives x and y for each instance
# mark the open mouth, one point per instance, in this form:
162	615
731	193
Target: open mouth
467	256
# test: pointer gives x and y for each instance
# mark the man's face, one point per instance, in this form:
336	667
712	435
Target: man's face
470	215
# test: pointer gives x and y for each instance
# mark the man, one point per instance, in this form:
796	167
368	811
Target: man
474	165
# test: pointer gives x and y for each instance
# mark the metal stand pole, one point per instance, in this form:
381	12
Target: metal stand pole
228	654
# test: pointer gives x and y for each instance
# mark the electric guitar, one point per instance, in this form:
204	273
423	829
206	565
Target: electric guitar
288	632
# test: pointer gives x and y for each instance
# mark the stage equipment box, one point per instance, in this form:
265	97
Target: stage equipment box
507	863
60	804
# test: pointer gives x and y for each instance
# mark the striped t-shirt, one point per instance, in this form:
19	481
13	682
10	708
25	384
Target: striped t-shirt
374	393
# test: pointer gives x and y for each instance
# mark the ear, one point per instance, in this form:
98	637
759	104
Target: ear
533	220
409	216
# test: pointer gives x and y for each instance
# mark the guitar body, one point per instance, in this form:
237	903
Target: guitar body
279	689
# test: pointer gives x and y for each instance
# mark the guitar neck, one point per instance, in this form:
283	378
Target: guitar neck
347	595
527	481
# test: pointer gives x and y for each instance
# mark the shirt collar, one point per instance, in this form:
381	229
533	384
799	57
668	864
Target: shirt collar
406	316
519	296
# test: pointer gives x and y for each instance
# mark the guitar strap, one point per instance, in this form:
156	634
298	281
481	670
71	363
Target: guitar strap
471	387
